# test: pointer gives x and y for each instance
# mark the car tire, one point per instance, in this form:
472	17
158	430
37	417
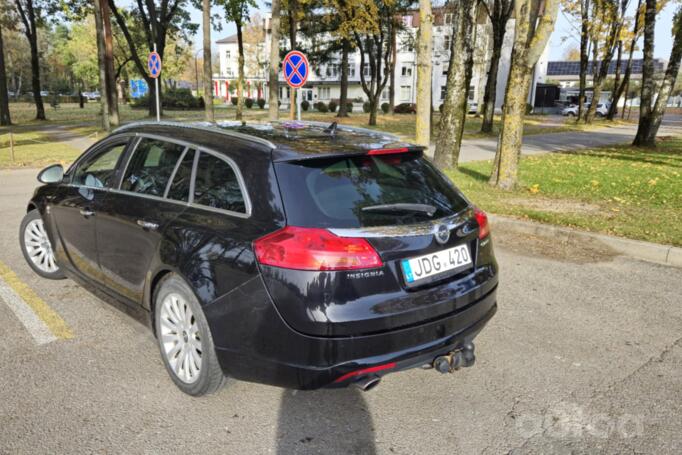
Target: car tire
184	338
37	248
571	114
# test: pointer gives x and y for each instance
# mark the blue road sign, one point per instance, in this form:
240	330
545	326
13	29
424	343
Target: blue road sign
138	88
154	64
295	68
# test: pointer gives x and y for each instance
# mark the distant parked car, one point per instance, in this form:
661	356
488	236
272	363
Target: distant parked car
572	110
44	93
405	108
473	108
92	95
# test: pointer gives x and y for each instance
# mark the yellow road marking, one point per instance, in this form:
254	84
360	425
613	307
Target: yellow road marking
50	318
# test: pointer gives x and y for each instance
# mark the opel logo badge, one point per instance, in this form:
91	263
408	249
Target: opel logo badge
442	234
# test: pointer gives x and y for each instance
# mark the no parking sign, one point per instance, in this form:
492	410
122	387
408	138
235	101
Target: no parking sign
295	68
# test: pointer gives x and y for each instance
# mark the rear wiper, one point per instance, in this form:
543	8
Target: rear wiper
401	207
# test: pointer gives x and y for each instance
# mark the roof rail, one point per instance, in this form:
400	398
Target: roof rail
205	126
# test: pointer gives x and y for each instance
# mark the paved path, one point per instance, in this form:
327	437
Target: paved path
582	357
484	148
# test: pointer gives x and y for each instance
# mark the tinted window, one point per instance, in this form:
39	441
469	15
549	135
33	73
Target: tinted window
151	167
179	188
332	192
99	170
216	185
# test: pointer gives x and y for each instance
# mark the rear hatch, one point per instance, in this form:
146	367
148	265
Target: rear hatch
374	242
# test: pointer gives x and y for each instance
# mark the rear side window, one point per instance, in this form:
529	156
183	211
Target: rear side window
333	192
151	166
216	185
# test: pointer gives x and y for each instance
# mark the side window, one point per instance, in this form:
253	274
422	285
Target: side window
216	185
179	188
151	166
99	170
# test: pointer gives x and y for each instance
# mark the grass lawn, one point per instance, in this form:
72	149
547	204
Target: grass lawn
624	191
35	149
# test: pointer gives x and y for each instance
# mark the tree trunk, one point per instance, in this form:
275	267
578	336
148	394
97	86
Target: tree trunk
609	47
343	98
648	136
625	83
273	76
584	57
5	118
424	44
104	99
240	79
491	81
112	91
391	82
645	106
616	80
453	117
530	38
208	72
29	19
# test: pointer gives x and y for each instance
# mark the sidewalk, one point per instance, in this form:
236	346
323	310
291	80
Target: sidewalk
484	148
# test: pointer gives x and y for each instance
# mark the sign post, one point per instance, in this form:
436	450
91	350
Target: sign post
296	68
154	66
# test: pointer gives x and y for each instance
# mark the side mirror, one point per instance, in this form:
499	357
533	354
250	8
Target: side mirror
51	174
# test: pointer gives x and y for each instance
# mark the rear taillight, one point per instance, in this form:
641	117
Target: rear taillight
388	151
314	249
482	220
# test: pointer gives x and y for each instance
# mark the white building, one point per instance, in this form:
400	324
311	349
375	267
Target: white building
323	83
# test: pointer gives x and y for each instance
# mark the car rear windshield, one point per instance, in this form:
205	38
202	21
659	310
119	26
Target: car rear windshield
332	192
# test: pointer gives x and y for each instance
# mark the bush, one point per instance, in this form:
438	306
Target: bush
305	105
349	107
405	108
261	103
529	108
332	106
180	98
234	100
385	107
440	108
322	107
248	102
365	107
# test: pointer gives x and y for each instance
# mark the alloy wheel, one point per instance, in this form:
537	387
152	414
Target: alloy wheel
39	248
180	338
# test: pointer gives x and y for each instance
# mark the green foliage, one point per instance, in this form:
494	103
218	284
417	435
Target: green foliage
349	107
405	108
180	98
365	107
332	106
234	100
248	102
385	107
261	103
305	105
322	107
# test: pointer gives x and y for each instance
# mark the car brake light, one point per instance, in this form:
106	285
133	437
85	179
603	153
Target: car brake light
482	220
314	249
387	151
352	374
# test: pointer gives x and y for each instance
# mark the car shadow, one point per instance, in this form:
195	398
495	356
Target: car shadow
325	421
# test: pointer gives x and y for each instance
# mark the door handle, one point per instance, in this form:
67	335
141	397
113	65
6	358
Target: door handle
147	225
87	213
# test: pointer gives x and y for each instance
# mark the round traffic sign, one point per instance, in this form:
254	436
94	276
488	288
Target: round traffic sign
154	64
295	68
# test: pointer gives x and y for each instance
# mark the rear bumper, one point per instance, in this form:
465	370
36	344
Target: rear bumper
271	352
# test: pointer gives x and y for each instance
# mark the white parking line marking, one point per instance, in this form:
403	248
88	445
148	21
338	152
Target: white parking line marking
34	325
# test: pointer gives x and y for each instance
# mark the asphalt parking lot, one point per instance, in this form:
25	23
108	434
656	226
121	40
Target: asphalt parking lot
583	356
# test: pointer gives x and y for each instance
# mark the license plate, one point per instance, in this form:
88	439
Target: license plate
422	267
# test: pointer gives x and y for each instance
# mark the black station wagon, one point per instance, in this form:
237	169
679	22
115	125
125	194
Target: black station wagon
294	254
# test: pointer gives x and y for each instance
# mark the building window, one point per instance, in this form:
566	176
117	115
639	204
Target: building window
405	93
324	93
407	21
351	70
332	70
407	46
447	18
283	92
443	91
384	95
365	70
446	42
227	55
406	70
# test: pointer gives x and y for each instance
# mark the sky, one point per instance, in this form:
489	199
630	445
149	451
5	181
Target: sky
565	36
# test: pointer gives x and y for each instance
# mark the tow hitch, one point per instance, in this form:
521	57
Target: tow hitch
459	358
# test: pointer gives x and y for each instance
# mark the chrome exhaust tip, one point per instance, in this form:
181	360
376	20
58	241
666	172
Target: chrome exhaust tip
367	383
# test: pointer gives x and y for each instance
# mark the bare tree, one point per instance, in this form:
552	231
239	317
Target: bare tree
424	50
499	15
648	69
584	54
5	118
452	120
103	82
534	25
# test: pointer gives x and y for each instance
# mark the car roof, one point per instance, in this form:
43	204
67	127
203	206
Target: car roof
286	141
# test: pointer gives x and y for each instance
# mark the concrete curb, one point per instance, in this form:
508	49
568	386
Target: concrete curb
647	251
